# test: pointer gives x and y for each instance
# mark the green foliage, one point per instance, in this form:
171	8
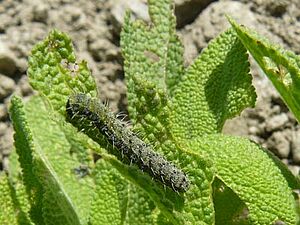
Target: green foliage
180	111
14	207
281	66
216	87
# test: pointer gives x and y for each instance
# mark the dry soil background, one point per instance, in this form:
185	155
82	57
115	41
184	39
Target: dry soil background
94	27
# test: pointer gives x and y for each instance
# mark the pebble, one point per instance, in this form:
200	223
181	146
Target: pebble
7	86
253	130
8	65
294	169
3	127
276	122
295	144
24	86
3	112
40	12
6	141
279	143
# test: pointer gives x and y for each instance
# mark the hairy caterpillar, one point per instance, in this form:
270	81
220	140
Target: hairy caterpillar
91	116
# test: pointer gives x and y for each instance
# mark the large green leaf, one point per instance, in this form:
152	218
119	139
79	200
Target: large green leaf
55	149
65	198
216	87
25	148
282	67
253	175
152	55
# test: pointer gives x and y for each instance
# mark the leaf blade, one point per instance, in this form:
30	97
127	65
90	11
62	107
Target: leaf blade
281	67
217	86
53	197
16	208
54	72
253	175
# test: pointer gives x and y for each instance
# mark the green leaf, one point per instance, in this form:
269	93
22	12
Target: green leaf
252	174
193	207
152	52
14	205
216	87
60	174
116	201
229	208
152	119
154	55
54	72
25	148
65	198
282	67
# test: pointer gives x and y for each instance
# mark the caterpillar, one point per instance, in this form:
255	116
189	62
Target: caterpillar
95	119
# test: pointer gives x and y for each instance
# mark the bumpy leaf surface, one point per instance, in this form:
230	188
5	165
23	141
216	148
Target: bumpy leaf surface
64	169
14	205
25	148
53	167
54	72
164	101
216	87
113	199
153	55
262	187
282	67
194	207
153	52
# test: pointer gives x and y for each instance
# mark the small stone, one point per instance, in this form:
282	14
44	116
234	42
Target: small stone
3	127
275	109
7	86
6	141
40	13
3	112
277	122
24	86
22	65
7	60
294	169
279	143
253	130
99	49
295	145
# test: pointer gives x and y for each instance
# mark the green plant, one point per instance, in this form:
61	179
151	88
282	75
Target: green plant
178	110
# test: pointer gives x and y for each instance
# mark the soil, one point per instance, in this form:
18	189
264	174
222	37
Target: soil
94	27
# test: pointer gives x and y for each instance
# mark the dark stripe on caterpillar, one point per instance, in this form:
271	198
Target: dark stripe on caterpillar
95	119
